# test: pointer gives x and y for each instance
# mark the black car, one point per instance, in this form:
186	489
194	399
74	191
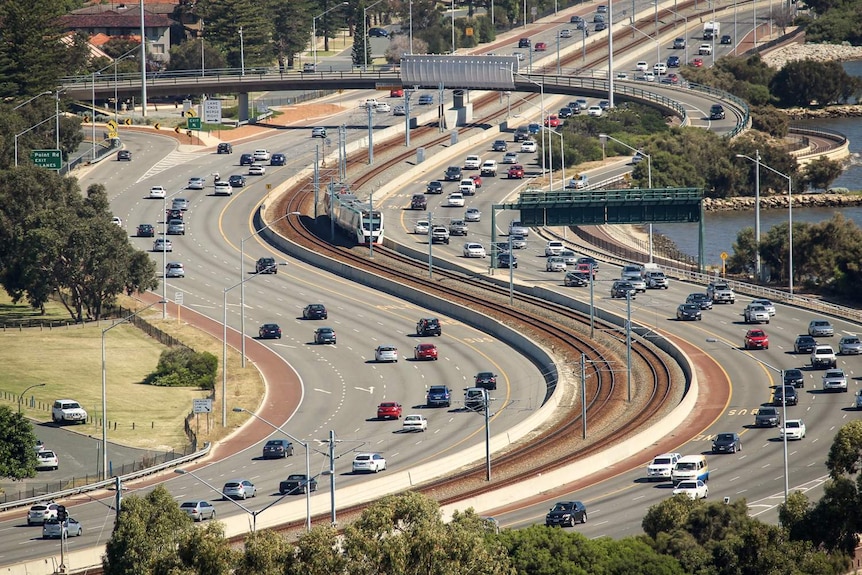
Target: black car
225	148
315	311
576	279
277	160
236	181
434	187
486	380
173	214
575	107
246	159
794	377
522	133
453	173
269	331
565	112
575	19
324	335
429	326
146	231
725	39
601	26
688	312
716	112
785	394
524	43
124	155
566	513
767	416
500	146
623	289
266	266
700	299
726	443
296	483
378	33
804	344
507	260
277	448
438	395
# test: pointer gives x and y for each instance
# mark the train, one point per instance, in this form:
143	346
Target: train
353	217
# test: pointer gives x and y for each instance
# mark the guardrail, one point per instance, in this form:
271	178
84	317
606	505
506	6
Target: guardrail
106	483
727	96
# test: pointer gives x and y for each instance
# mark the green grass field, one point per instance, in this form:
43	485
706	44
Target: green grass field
68	361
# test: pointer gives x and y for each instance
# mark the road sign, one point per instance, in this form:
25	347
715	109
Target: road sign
51	159
202	405
112	124
723	256
194	123
212	111
178	298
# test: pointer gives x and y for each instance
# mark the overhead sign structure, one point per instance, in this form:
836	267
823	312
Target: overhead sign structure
212	111
51	159
459	72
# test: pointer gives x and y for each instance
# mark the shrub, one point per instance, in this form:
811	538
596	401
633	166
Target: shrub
183	367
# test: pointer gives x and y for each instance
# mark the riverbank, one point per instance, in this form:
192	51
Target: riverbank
782	202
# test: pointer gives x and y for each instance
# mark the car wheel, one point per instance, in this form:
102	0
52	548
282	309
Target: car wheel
584	517
572	521
212	515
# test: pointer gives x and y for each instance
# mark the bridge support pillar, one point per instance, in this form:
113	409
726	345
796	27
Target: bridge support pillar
461	112
242	107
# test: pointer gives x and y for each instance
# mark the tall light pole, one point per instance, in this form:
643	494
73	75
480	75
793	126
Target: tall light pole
685	30
453	26
241	53
105	331
143	76
603	138
411	25
562	156
542	103
314	30
757	263
23	393
365	31
242	273
780	373
307	461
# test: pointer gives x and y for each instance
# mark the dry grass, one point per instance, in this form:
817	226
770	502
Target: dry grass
68	361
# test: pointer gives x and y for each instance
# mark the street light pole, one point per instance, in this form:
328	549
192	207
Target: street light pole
242	274
23	393
105	331
685	29
314	30
307	462
603	138
241	53
542	103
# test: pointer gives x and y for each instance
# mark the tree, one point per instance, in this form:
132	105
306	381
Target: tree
400	45
268	553
820	173
240	30
187	56
206	551
32	55
292	24
805	82
845	454
147	534
318	552
17	441
361	53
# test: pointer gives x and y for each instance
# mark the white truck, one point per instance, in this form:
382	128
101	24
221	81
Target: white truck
489	168
711	29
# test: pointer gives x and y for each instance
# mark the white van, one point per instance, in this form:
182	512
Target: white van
691	467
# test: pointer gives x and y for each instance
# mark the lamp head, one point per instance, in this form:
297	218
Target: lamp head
180	471
238	409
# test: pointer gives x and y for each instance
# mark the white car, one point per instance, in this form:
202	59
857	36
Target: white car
399	111
659	68
53	529
704	50
47	459
595	111
238	489
223	189
622	76
793	429
555	264
455	199
642	66
554	248
695	489
370	462
565	33
163	245
196	184
467	187
519	56
570	257
649	77
661	467
516	228
68	411
158	192
770	307
474	250
421	227
529	146
835	380
510	158
414	423
382	108
261	156
256	170
386	353
175	270
118	221
472	162
472	215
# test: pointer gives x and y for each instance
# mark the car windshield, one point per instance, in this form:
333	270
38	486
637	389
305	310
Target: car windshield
562	507
792	424
767	411
725	437
661	461
295	477
685	466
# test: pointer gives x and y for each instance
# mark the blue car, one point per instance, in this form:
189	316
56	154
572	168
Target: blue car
534	128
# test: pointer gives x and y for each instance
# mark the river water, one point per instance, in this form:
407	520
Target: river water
721	228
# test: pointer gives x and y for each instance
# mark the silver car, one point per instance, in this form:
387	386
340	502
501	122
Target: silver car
198	510
175	270
820	328
770	307
176	228
835	380
163	245
850	345
238	489
386	353
53	529
555	264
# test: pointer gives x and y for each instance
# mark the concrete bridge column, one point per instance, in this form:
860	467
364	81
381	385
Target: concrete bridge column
242	107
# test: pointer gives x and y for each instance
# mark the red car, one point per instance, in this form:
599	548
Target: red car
756	339
585	269
389	409
697	62
553	121
541	47
396	93
477	179
425	351
516	171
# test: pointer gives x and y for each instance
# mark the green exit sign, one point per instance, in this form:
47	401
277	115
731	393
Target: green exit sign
51	159
194	123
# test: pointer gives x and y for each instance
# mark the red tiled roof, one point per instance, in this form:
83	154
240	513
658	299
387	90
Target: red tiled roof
111	19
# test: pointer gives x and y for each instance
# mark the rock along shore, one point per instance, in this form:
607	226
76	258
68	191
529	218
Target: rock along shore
781	202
